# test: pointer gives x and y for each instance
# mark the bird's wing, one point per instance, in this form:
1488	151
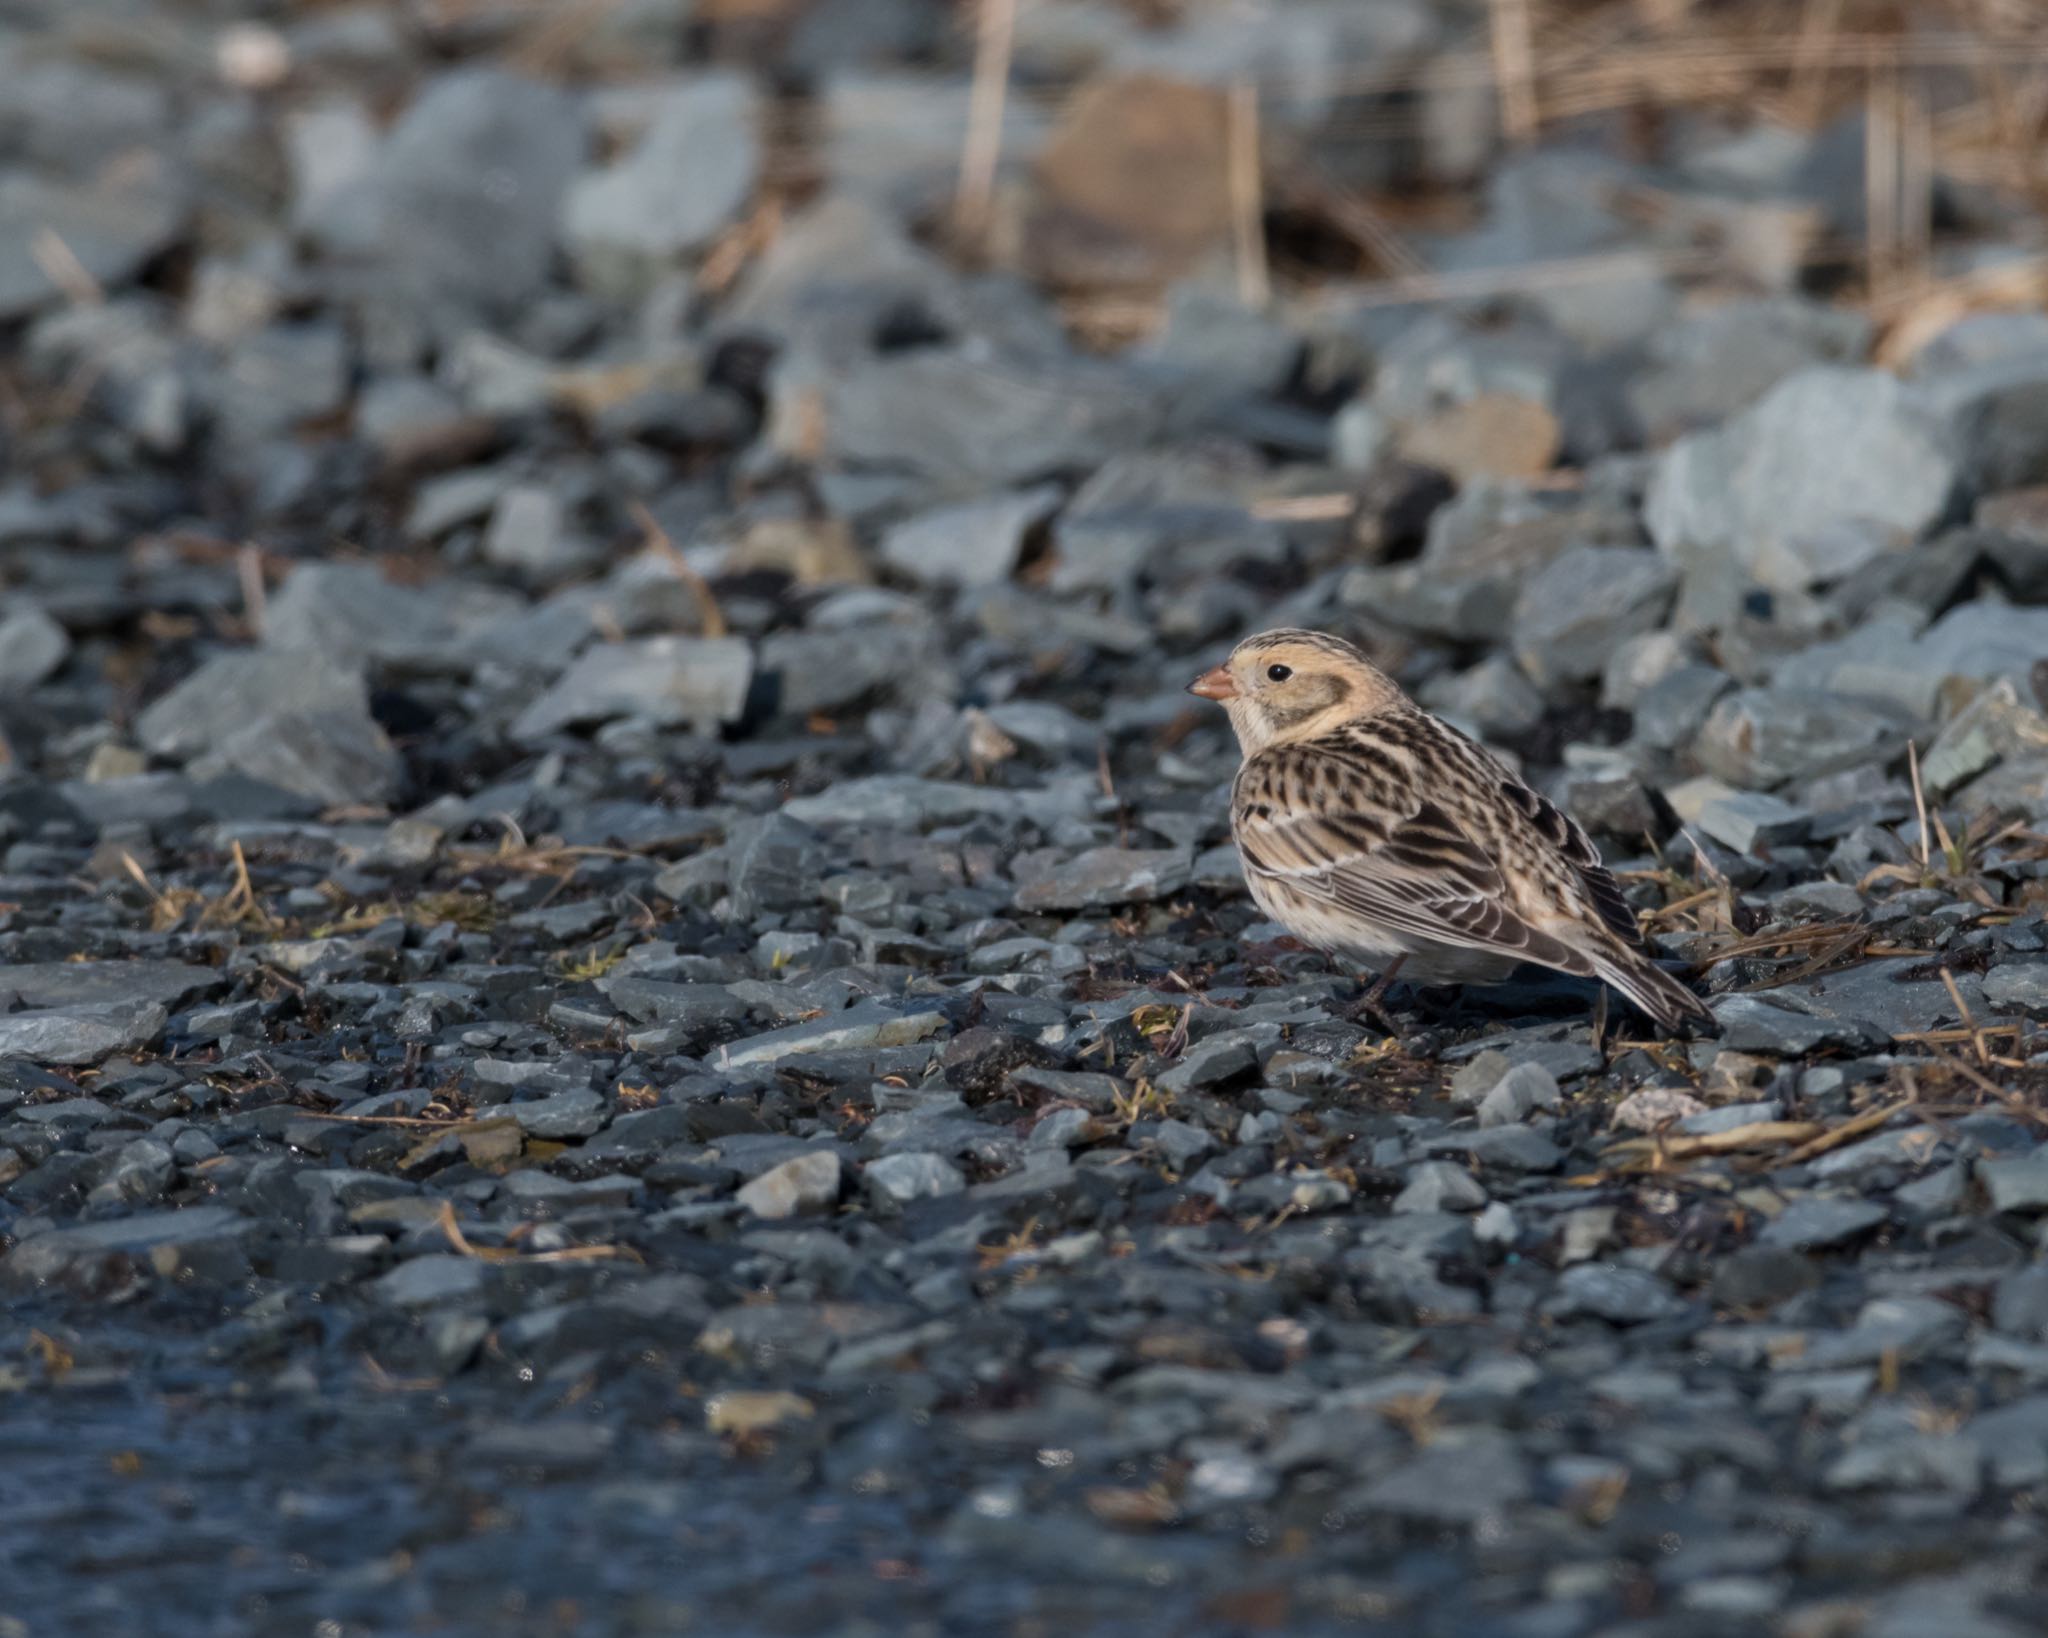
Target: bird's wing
1576	849
1352	821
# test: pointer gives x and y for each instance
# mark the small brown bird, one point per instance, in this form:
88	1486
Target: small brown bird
1372	830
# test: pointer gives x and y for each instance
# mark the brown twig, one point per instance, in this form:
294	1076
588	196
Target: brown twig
1247	195
1514	68
656	538
995	29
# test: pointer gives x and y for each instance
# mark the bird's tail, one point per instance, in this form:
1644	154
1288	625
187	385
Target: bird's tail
1654	990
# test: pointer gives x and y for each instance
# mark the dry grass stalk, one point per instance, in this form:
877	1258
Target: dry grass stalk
1514	68
61	266
1881	144
545	45
464	1246
994	40
1817	26
1560	272
255	600
656	538
1247	196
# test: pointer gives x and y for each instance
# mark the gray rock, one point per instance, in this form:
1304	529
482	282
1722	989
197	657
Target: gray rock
1181	1142
1214	1062
1518	1094
867	1026
565	1115
1576	610
902	1178
110	228
1994	727
1614	1292
82	1035
1455	1480
2020	1302
1712	363
281	376
161	1240
336	757
969	424
529	534
1494	697
1762	1276
89	984
2016	1185
1750	1023
142	1171
671	191
1751	820
2018	986
1440	1185
1819	1223
1759	737
1104	877
470	183
1671	710
232	692
352	616
431	1280
1512	1148
32	646
974	543
1830	468
806	1183
666	680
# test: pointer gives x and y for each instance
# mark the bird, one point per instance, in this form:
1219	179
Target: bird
1381	834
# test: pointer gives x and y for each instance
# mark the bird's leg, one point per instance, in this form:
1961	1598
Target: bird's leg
1368	1005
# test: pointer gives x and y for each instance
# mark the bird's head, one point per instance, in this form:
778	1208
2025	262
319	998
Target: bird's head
1288	685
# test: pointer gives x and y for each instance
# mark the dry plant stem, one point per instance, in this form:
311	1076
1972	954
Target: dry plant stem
61	266
1247	196
542	48
1880	178
995	34
1514	68
1560	272
255	601
657	538
1919	802
1916	183
1817	27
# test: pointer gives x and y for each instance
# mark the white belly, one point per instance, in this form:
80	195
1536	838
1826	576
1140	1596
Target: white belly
1374	946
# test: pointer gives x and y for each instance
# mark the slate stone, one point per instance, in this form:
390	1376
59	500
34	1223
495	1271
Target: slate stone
1105	877
83	1034
1616	1293
907	1177
1819	1223
468	183
805	1183
679	183
1888	467
868	1025
666	680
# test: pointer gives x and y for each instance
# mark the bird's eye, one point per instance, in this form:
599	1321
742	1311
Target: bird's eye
1279	673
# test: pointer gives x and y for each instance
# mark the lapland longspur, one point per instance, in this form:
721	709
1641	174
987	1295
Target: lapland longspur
1372	830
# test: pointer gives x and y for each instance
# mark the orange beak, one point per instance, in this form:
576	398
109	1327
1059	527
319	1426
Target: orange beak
1215	684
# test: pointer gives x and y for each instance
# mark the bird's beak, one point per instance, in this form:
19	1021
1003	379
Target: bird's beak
1215	684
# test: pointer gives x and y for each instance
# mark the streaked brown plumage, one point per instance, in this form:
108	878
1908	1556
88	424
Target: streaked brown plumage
1371	829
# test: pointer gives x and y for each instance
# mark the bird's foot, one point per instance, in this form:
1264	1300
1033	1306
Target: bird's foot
1372	1004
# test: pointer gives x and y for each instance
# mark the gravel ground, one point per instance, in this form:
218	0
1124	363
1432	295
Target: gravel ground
626	1004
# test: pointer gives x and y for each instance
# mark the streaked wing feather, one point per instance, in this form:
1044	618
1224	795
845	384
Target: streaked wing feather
1576	847
1400	863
